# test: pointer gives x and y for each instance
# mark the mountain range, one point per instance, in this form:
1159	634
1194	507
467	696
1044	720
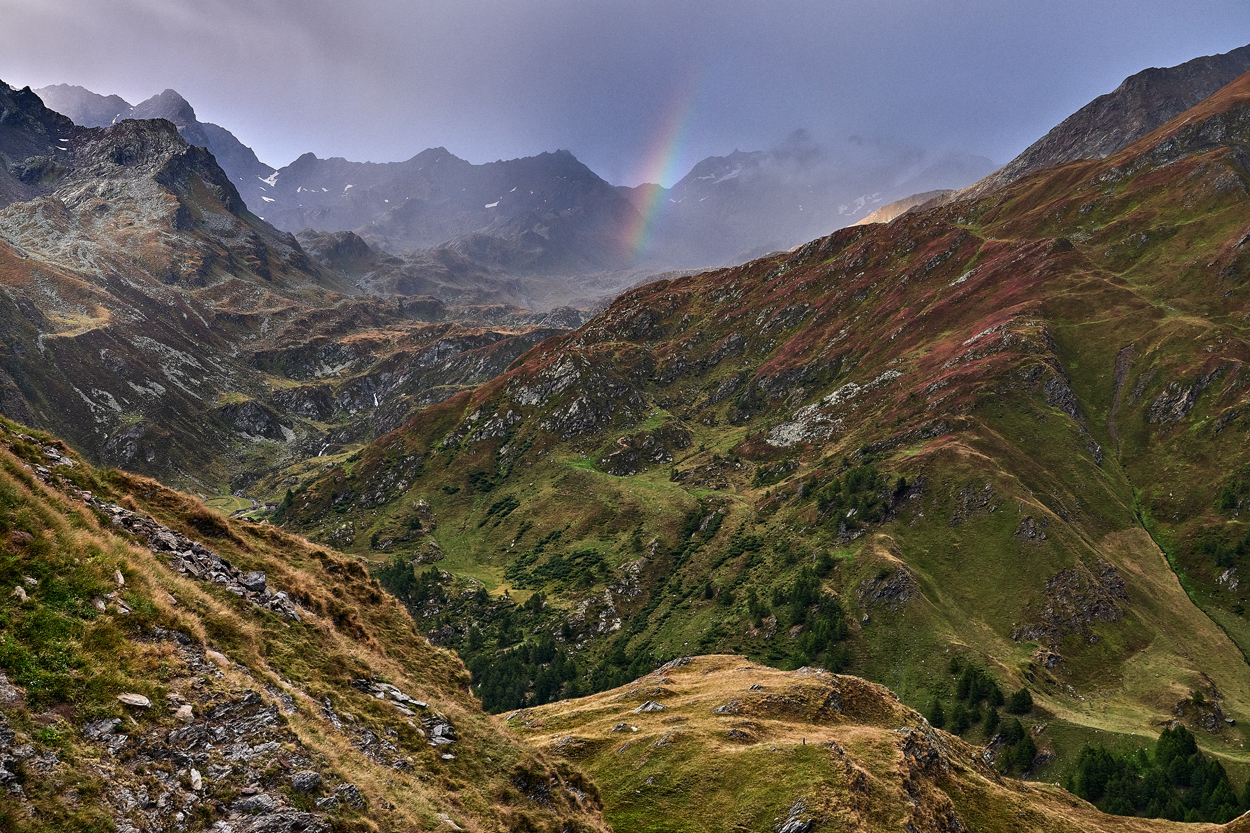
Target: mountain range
924	517
551	214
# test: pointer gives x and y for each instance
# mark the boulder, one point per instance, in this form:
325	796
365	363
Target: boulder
98	729
254	581
260	803
306	782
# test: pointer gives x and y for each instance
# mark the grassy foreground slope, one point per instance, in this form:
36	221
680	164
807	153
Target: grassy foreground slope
1009	431
162	668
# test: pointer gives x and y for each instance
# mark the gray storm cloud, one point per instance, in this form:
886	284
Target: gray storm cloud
495	79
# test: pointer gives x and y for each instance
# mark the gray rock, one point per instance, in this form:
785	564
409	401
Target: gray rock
9	695
261	803
254	581
7	735
797	821
306	782
285	821
163	541
649	706
347	794
97	729
440	730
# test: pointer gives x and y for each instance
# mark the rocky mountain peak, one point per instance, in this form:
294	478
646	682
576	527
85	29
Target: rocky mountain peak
168	105
89	109
28	131
172	107
427	156
1143	102
24	110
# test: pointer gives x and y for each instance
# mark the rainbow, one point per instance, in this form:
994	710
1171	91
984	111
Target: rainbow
665	162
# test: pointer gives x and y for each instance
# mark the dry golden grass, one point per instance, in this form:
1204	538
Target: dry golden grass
856	757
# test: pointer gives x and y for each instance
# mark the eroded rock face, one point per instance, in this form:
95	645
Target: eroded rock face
633	453
892	590
158	778
196	560
927	759
1076	599
1175	403
8	758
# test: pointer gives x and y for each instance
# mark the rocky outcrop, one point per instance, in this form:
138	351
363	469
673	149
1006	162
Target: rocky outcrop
1076	599
186	556
631	454
1175	403
227	760
197	561
891	589
798	820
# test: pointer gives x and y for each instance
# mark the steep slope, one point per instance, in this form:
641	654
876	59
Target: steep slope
89	109
955	434
164	669
27	130
1111	122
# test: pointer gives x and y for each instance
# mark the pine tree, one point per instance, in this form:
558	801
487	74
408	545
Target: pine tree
990	726
1026	752
959	719
1021	702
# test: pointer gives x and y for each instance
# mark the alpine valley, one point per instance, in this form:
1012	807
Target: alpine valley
932	523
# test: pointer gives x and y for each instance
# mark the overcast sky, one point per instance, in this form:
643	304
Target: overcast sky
637	89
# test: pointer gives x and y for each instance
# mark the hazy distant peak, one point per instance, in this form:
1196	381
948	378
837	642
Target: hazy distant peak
430	156
713	164
86	108
168	105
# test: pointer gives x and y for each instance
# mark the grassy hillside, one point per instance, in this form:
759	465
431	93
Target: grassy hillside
1006	430
162	668
720	743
